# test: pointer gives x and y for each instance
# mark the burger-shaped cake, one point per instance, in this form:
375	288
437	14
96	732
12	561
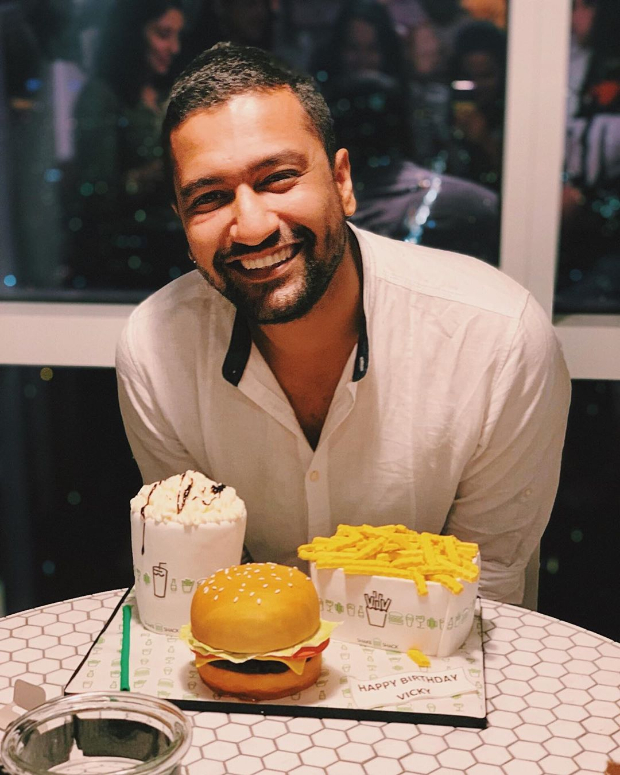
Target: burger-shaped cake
256	631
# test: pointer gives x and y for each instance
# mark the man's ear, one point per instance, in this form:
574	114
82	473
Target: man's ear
344	183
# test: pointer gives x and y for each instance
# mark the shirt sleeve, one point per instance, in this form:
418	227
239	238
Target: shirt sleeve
507	489
156	448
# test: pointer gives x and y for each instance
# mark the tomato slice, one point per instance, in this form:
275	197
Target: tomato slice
305	652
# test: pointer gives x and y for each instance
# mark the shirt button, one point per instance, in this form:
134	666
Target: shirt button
314	476
527	492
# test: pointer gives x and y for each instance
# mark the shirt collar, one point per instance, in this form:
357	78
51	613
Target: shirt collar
238	350
241	344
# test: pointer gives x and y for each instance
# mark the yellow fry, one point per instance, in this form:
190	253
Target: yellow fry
420	582
341	562
365	570
404	541
451	551
419	658
346	542
338	556
348	531
371	548
427	548
448	582
469	572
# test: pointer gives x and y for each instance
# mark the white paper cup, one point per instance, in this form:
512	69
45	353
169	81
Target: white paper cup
171	559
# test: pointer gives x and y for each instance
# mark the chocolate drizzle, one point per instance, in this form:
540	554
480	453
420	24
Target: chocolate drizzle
142	511
216	489
183	497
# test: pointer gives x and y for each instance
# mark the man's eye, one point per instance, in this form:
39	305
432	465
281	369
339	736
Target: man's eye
283	177
210	199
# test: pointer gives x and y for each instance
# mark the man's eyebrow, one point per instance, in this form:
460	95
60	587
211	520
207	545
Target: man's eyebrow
190	188
286	157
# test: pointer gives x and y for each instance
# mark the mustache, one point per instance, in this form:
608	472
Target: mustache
238	249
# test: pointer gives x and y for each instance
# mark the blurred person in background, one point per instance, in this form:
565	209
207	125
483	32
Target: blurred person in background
588	278
395	197
249	22
33	34
478	80
259	23
600	91
125	234
364	38
430	95
582	20
487	10
444	20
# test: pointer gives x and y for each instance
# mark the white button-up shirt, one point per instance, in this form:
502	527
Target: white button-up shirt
449	416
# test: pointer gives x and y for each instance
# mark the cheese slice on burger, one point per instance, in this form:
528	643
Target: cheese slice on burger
293	657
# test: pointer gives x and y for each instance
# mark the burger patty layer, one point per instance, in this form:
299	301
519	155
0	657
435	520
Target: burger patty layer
252	666
260	686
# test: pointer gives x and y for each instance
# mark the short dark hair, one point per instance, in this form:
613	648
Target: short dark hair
227	70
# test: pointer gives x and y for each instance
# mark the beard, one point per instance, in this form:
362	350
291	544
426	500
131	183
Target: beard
285	299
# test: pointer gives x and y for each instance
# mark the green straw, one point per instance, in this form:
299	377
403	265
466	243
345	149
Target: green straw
125	649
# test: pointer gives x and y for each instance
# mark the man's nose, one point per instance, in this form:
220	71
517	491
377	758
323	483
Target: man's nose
253	221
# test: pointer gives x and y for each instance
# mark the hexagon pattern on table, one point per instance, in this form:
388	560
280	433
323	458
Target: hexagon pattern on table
552	691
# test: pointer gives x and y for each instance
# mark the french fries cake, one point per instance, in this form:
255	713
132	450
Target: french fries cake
395	588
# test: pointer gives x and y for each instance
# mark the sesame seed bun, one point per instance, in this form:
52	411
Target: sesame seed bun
255	608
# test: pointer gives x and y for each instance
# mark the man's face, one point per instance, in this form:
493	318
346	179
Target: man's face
263	211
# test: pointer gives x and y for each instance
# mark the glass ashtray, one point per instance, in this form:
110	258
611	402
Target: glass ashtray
98	732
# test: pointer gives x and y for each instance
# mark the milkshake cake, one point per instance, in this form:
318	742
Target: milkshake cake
183	529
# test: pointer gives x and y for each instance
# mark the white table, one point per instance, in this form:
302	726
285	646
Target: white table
553	705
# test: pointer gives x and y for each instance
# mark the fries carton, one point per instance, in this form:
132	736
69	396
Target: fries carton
388	613
395	588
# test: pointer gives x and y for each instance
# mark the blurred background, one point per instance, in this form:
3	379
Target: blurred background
421	92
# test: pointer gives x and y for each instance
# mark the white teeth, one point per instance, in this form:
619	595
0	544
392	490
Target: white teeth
261	263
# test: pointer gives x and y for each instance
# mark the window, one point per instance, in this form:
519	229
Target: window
44	330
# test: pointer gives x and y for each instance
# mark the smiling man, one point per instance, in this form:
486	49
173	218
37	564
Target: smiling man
328	374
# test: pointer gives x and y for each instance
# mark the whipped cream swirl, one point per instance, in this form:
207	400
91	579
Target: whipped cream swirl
189	499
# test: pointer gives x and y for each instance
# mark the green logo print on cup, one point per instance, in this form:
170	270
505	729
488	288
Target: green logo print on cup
187	585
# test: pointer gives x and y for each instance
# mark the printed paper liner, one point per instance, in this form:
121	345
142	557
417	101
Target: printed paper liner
162	666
